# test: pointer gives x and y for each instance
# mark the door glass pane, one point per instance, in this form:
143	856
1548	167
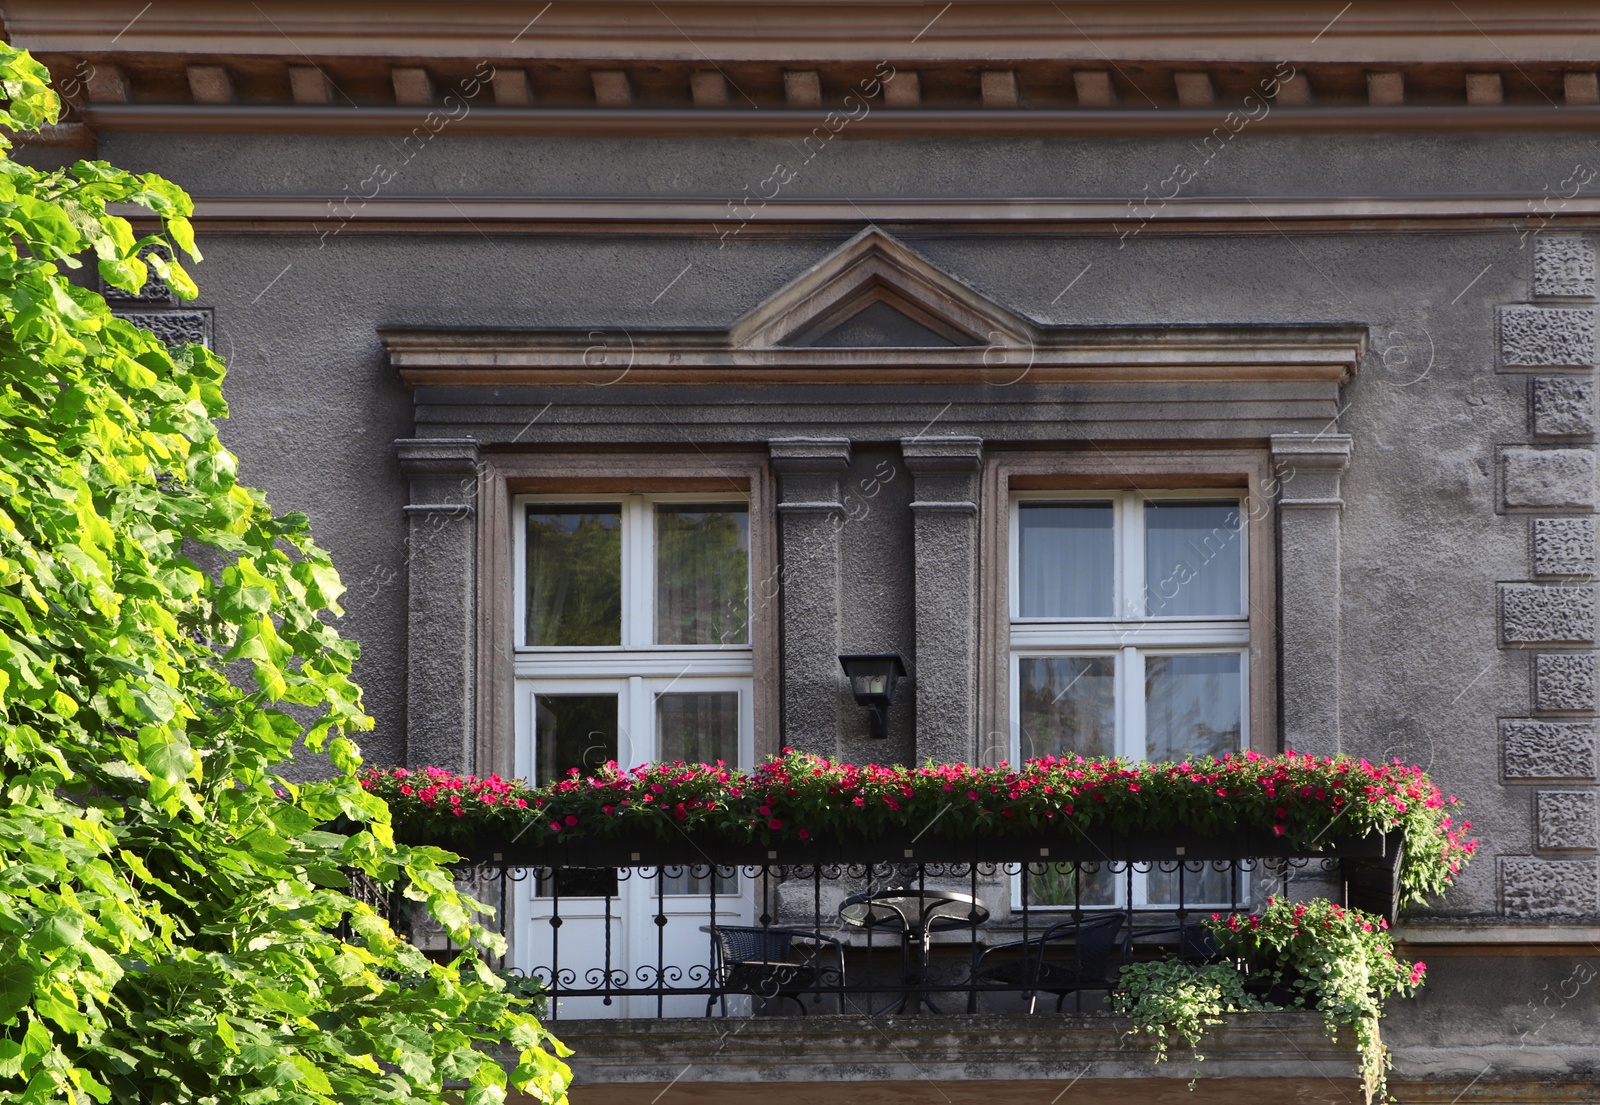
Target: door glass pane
702	574
1065	553
1071	884
1068	705
574	575
574	730
1191	554
1212	885
698	728
1193	706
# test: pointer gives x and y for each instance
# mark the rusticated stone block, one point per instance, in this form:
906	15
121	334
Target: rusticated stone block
1563	546
174	327
1563	406
1568	820
1534	612
1564	681
1547	749
1548	477
1534	337
1563	266
1531	887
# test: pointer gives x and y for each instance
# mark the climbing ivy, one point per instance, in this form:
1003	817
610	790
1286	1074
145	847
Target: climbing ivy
174	925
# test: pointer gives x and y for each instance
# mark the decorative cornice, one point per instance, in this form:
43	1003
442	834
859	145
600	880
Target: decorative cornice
770	343
1398	31
662	122
1089	354
707	216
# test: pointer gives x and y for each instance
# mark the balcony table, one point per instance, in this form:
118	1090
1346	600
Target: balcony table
916	915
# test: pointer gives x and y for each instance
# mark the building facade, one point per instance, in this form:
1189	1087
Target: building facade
1155	379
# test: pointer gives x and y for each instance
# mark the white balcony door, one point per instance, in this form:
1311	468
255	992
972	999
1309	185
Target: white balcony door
608	919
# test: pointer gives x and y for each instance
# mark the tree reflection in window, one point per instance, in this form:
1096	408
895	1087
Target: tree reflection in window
702	574
574	580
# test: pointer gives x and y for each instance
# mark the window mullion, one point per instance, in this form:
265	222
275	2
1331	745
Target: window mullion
638	581
1130	536
1133	728
637	722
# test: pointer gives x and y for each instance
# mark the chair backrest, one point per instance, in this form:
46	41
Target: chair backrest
1196	944
741	944
1093	940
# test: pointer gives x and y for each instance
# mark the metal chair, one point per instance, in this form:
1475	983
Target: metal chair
1091	941
772	962
1195	942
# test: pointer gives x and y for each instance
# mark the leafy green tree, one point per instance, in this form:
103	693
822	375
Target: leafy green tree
170	911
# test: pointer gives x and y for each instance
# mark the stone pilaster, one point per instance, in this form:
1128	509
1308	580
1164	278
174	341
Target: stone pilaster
1308	471
810	516
441	574
945	471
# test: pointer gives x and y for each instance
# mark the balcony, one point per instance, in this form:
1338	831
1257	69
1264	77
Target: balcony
816	921
645	928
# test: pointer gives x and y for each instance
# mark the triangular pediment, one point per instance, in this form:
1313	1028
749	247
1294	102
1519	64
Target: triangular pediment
875	293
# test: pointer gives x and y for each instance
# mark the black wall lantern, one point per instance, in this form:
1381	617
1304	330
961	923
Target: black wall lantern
872	679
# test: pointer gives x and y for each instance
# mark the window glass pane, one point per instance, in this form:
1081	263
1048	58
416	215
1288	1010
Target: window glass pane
574	730
1191	554
1065	555
574	575
1068	705
702	574
698	728
1071	884
1209	886
1193	706
697	880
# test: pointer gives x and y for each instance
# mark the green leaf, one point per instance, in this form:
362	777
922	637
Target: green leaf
168	758
62	929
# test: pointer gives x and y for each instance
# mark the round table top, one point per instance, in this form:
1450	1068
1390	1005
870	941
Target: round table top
912	910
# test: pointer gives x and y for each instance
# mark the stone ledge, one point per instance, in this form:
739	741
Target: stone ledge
1101	1091
828	1049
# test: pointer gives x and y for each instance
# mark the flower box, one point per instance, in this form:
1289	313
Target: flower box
801	810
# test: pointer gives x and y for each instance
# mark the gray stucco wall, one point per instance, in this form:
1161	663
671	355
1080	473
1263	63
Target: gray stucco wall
1426	538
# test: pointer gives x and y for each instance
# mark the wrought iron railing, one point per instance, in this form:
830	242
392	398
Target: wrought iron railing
661	939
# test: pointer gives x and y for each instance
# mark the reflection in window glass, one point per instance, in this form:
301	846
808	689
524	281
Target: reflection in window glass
1193	705
1192	556
1065	553
574	575
1071	884
1214	884
1068	705
575	730
698	728
702	574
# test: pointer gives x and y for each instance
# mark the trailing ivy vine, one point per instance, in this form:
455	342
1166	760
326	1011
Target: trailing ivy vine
169	911
1310	955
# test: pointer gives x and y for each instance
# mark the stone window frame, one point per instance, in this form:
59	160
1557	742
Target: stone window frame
504	477
1126	469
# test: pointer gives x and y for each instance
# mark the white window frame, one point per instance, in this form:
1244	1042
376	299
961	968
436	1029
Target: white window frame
637	651
1128	639
636	718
